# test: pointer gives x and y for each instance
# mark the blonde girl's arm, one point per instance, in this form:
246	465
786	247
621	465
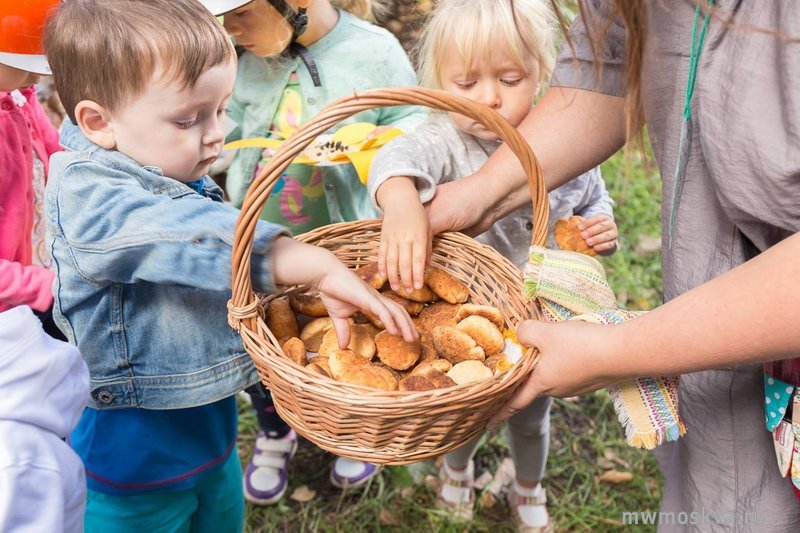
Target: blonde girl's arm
405	234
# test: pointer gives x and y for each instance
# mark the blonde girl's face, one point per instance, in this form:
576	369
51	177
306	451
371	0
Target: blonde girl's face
259	28
13	78
496	81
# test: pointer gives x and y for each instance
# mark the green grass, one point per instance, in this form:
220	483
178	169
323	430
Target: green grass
584	432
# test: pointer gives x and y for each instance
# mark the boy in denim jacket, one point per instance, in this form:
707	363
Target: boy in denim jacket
141	243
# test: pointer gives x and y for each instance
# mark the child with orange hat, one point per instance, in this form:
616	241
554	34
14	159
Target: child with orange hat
45	382
27	138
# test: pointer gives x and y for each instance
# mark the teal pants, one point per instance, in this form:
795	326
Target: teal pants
214	505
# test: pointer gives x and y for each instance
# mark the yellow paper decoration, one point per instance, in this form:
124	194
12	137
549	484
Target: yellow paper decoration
361	149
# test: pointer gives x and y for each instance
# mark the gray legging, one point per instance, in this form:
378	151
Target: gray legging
529	432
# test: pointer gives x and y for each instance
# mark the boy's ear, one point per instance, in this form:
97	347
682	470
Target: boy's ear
94	121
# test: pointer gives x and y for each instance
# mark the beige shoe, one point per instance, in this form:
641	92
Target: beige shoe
461	510
515	501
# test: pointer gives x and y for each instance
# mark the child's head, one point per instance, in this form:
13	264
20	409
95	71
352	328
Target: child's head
149	78
265	27
22	57
496	52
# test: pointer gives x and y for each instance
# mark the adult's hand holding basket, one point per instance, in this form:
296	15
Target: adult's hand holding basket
354	421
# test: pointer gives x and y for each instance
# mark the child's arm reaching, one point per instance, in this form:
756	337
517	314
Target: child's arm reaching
341	290
405	234
402	178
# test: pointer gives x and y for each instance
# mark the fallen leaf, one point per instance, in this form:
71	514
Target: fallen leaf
303	494
433	483
614	477
387	517
611	455
487	500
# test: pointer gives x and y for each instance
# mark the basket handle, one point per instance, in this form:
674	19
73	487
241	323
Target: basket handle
243	302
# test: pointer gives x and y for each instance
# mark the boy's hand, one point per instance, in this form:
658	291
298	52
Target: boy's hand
405	236
344	293
600	232
341	290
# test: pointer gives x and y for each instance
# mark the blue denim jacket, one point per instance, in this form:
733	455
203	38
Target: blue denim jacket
143	275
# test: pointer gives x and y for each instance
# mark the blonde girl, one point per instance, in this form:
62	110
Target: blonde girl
498	53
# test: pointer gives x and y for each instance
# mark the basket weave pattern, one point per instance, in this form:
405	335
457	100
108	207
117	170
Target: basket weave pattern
354	421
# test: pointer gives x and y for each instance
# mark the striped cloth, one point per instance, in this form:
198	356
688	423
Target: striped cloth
573	286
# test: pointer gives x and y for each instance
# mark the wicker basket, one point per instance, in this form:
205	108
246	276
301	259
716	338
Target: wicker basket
350	420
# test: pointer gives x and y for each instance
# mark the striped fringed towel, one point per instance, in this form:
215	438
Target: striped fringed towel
573	286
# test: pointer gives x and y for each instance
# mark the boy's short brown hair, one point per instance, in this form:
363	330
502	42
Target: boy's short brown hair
108	50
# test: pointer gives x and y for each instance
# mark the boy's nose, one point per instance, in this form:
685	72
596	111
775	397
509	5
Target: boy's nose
216	132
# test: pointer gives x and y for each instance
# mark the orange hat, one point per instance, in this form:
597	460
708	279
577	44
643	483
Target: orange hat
21	29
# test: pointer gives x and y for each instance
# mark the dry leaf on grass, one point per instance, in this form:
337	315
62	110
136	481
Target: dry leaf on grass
388	518
303	494
487	500
610	455
614	477
432	483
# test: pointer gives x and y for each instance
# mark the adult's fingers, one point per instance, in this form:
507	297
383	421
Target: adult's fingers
525	394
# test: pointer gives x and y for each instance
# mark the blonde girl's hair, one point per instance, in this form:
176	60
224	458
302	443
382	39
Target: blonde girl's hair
368	10
526	29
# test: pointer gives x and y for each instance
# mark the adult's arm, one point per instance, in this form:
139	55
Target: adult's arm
747	315
569	130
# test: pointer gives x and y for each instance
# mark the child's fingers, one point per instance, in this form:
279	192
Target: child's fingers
391	266
382	256
419	258
596	227
604	247
395	318
405	265
342	327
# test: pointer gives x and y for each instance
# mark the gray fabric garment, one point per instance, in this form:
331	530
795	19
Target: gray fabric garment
529	438
438	152
741	196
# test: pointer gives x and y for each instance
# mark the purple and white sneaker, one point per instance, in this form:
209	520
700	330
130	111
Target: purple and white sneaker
349	474
267	476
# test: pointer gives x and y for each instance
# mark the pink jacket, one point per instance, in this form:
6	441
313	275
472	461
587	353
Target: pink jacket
22	130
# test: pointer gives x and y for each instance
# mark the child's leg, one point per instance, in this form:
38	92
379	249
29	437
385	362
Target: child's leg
461	458
214	504
266	478
529	432
170	512
220	501
270	423
457	475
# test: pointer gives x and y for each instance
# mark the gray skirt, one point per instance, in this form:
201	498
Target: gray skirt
723	475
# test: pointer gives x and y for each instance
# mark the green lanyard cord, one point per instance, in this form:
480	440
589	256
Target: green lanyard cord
694	58
685	144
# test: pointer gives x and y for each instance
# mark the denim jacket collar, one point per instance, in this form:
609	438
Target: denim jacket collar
151	178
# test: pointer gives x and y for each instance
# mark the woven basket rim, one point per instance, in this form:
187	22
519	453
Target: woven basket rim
477	400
